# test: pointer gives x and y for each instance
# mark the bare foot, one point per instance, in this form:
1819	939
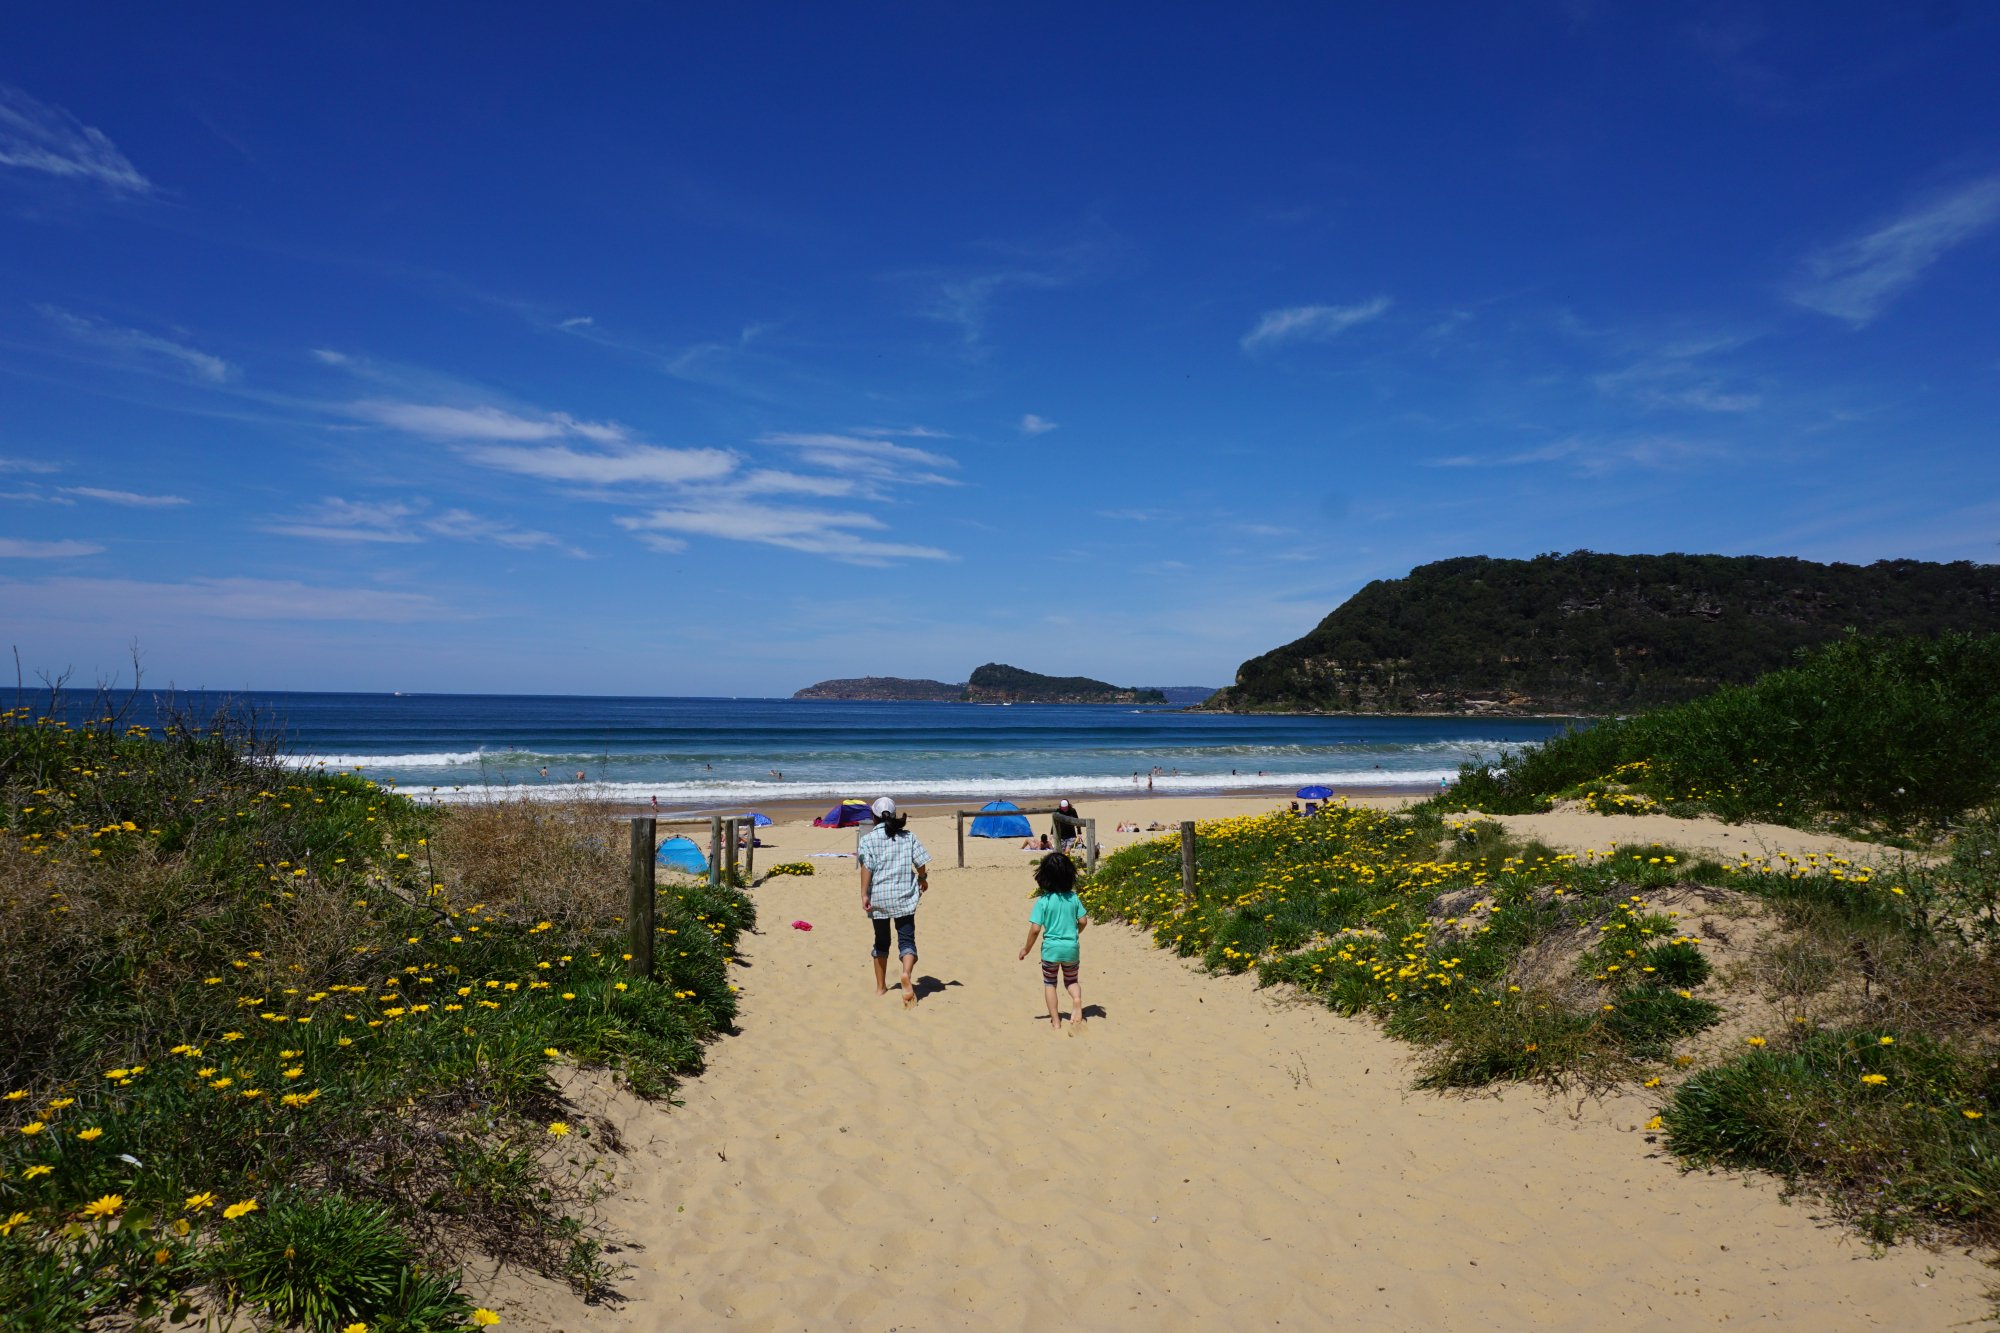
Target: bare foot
1055	1025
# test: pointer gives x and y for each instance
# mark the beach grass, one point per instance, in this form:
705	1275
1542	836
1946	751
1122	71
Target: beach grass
285	1041
1868	1069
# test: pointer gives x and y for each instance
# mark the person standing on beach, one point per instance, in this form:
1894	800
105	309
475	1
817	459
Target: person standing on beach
894	880
1058	916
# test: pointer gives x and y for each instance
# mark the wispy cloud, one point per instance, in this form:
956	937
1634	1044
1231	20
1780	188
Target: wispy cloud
35	136
27	465
405	522
129	499
1682	374
818	532
1310	322
97	333
1595	456
126	601
438	421
867	454
1034	425
1856	279
17	548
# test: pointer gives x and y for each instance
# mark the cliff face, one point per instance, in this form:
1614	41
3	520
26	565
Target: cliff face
888	689
1590	633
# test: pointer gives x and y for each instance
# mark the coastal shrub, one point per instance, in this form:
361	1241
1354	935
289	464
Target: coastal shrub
224	985
1870	733
791	868
1894	1127
1502	961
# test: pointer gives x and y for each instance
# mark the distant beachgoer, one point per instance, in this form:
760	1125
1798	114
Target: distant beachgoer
708	768
1067	823
1149	782
579	775
545	770
1059	918
1443	783
893	882
656	805
1295	807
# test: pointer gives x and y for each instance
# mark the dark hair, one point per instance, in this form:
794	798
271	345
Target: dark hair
1055	873
892	824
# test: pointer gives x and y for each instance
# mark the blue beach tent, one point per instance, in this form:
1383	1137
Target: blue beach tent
846	815
682	854
1002	825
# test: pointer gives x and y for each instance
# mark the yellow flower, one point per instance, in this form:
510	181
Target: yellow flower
1753	1041
1652	1082
16	1095
236	1210
295	1071
1874	1080
91	1134
356	1327
33	1127
1654	1123
1968	1114
197	1202
559	1128
117	1073
43	1169
7	1227
551	1052
61	1102
1888	1041
104	1206
484	1318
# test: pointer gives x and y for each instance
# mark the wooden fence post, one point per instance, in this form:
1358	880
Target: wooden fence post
639	913
729	836
961	839
750	856
714	851
1090	847
1187	858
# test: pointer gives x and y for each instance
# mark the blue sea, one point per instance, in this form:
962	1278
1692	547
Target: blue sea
697	753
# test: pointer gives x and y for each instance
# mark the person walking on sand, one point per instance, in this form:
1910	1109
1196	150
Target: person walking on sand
894	880
1058	916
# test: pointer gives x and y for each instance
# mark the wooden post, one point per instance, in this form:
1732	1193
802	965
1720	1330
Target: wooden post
714	851
961	839
729	836
750	856
639	913
1090	847
1187	858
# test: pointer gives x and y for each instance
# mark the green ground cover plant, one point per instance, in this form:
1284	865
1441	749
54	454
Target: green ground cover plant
285	1039
1886	735
1872	1087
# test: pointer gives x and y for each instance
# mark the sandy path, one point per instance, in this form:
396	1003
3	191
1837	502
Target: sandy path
1204	1154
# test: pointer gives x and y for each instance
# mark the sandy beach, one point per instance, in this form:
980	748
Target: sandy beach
1204	1154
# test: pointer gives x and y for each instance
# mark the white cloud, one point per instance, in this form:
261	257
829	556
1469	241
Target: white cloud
439	422
17	548
36	495
837	451
404	522
35	136
576	322
1597	456
1856	279
130	499
327	356
99	334
643	464
817	532
105	601
770	480
1034	425
1310	321
26	465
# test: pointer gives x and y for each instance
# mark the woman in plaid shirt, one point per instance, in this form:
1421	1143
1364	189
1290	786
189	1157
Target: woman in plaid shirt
893	881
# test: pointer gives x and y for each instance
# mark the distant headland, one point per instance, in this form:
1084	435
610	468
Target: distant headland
994	683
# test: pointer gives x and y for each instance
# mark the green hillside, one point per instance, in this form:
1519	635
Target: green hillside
1592	633
998	683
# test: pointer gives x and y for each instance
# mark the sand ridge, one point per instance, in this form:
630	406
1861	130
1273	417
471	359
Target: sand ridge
1205	1154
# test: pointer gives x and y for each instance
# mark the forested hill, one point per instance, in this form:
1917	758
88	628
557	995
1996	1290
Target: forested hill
998	683
1589	633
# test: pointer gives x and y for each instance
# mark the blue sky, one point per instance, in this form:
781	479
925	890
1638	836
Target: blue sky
718	349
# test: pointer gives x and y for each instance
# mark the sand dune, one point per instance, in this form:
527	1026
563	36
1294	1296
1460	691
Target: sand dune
1205	1154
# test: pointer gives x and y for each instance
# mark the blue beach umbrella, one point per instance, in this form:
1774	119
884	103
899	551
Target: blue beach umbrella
757	820
1315	793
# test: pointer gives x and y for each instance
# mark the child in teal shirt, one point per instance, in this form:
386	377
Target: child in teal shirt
1058	916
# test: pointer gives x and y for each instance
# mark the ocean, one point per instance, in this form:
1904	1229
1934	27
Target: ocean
696	753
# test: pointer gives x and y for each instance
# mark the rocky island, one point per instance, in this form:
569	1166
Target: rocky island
993	683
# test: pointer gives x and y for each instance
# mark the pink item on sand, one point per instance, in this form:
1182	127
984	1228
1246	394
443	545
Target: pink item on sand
802	925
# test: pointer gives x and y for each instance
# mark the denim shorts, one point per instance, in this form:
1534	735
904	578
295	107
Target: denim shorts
906	936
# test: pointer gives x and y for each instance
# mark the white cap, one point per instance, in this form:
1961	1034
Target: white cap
883	806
